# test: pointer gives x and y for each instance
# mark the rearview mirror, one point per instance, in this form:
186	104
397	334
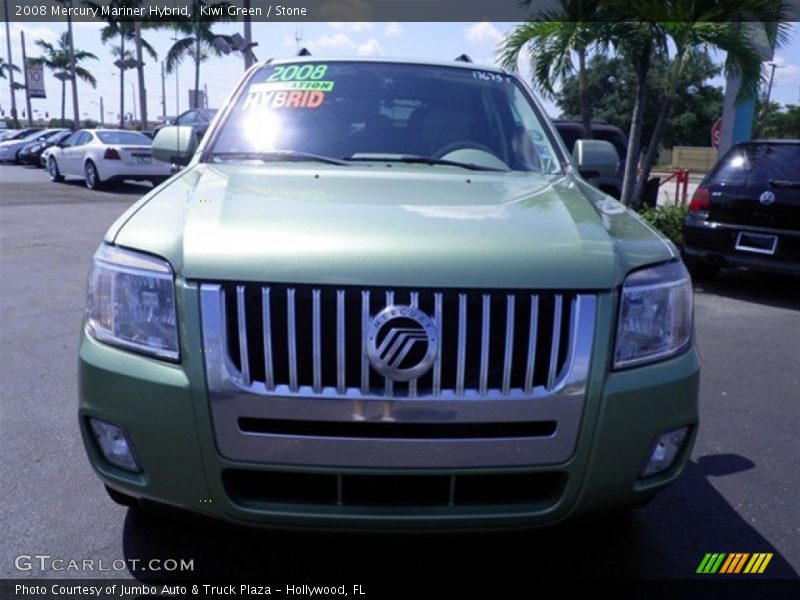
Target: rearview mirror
595	158
175	145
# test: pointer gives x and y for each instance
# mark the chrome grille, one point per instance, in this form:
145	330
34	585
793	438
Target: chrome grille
307	340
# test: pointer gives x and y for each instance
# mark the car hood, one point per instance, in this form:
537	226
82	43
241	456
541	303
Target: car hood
424	226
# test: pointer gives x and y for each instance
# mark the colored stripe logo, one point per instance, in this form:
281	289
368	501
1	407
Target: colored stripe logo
734	562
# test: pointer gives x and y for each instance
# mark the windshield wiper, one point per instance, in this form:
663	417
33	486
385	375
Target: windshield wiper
278	155
426	160
784	183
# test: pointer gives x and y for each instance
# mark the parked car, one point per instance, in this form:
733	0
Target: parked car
31	153
197	118
100	156
368	301
7	133
15	134
571	131
9	149
746	211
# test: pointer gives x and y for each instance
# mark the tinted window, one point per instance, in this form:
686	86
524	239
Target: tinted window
345	109
124	137
84	138
570	136
756	164
72	139
186	118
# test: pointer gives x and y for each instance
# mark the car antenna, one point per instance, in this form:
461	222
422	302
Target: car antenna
463	58
303	52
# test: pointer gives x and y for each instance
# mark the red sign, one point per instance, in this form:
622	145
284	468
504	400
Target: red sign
716	131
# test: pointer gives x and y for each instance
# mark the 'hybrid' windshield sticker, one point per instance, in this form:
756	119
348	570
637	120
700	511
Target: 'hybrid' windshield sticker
290	86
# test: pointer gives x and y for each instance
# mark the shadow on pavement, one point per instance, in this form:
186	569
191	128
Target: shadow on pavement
666	539
125	187
754	286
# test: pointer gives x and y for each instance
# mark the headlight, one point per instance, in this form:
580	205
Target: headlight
131	302
655	315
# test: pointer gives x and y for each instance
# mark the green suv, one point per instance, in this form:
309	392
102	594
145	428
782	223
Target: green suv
381	295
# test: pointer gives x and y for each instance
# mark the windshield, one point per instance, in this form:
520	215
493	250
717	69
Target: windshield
123	137
758	164
378	111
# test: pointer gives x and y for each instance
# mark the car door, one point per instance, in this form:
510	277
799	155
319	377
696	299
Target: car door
78	152
62	157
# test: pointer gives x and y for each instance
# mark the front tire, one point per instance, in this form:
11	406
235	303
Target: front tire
55	174
92	178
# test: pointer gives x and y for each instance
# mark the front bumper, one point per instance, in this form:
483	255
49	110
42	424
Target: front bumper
715	243
166	411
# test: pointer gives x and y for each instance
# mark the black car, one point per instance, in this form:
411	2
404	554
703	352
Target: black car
571	131
31	154
197	118
746	212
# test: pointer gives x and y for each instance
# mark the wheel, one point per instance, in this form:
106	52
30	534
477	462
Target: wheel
92	178
52	167
700	270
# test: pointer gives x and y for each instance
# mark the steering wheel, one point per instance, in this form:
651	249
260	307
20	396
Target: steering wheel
462	145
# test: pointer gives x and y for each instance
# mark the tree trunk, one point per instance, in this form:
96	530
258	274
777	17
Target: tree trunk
64	103
121	81
140	71
635	134
196	70
661	123
586	106
73	76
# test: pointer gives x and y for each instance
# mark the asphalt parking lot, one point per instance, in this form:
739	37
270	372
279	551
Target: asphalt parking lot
740	493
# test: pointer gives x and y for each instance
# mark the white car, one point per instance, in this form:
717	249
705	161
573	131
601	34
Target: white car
100	156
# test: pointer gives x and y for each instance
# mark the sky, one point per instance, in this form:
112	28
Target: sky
441	41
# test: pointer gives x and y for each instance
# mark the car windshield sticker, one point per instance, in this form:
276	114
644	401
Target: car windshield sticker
290	86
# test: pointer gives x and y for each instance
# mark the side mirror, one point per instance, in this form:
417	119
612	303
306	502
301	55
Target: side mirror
595	158
175	145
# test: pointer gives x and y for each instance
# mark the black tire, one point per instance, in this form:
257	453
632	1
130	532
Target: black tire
91	177
700	269
55	174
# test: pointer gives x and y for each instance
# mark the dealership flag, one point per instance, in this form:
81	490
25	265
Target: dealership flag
35	78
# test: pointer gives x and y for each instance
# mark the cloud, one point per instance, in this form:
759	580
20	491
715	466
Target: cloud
340	43
371	48
483	34
394	29
357	27
786	74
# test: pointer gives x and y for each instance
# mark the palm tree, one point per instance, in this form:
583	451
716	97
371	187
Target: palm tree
550	42
58	58
128	31
199	40
6	67
696	34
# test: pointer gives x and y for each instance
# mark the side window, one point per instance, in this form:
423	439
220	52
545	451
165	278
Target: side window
84	138
187	118
569	136
70	141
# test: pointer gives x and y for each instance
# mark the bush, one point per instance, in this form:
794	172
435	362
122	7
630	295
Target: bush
668	219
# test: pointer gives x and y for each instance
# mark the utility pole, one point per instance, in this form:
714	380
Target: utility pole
102	113
27	83
14	119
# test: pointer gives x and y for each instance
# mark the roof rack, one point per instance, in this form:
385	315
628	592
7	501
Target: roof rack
463	58
303	52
